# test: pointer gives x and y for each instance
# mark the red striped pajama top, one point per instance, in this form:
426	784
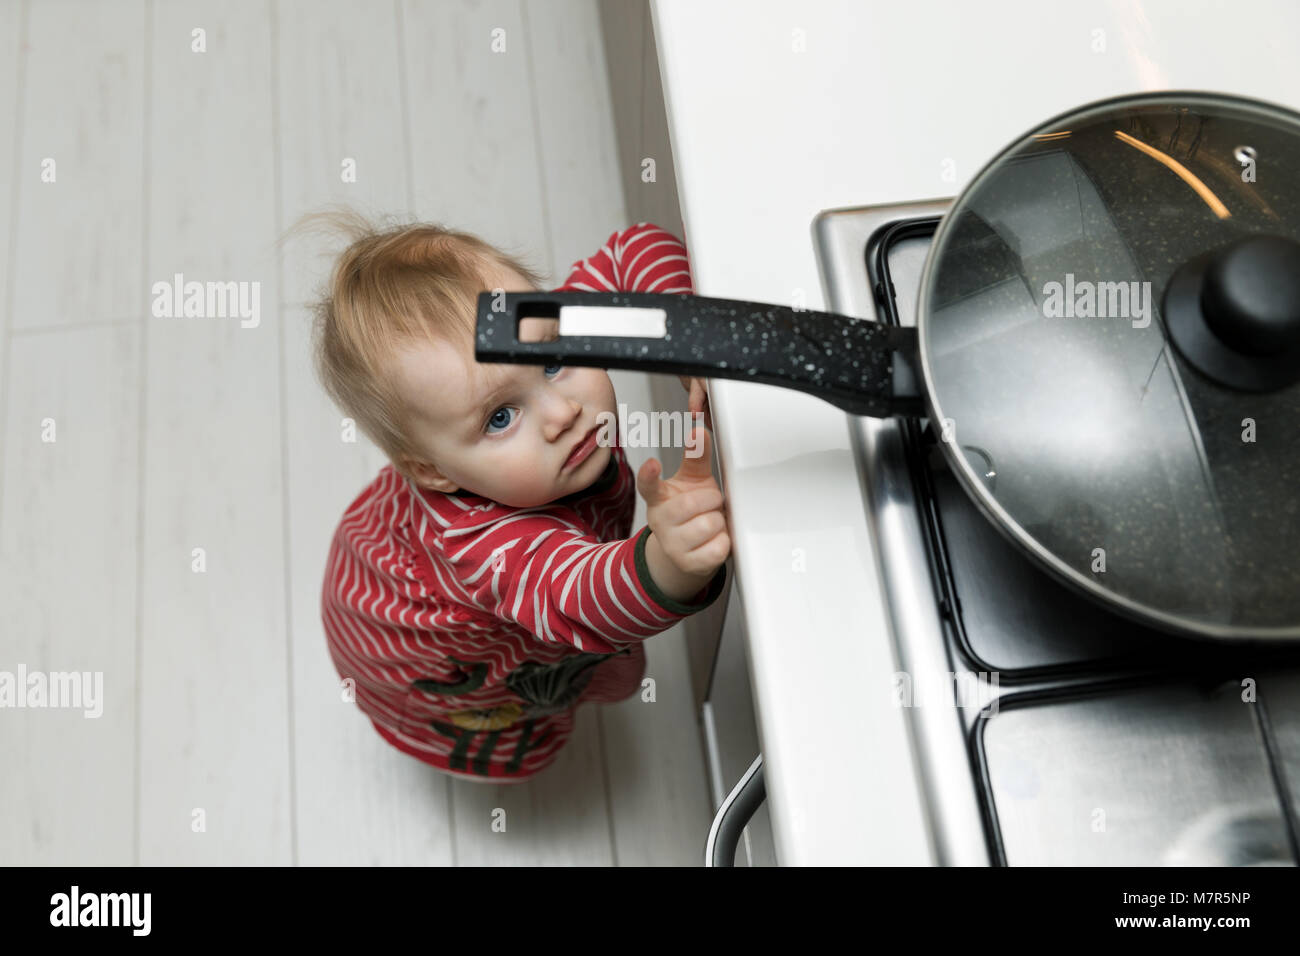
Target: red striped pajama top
472	630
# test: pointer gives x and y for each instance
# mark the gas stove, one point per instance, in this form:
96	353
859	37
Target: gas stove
1047	729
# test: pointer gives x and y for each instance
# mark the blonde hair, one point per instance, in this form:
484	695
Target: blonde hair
392	285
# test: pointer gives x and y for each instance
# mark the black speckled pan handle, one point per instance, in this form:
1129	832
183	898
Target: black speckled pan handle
851	363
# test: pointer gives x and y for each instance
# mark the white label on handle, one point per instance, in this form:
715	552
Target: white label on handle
621	321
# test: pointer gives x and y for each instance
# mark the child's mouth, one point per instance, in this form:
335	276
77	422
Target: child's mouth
585	448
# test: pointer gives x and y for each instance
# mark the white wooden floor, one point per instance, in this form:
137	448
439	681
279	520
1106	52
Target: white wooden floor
170	435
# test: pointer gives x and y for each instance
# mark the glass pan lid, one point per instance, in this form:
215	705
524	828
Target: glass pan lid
1160	472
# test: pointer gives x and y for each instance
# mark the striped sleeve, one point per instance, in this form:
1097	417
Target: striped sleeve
641	258
546	572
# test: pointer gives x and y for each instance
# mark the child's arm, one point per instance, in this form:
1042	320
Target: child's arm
641	258
647	258
545	570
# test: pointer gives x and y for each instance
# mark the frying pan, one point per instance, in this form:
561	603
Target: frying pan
1109	312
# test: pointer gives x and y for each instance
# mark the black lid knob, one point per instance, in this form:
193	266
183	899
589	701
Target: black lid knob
1234	313
1251	295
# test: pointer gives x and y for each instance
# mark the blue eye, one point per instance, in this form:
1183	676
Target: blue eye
496	418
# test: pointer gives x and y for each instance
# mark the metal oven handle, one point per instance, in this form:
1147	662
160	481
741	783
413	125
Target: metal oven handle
734	815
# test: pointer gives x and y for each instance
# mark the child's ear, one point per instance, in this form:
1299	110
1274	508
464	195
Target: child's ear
427	476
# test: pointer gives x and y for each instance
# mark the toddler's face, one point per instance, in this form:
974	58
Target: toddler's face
502	431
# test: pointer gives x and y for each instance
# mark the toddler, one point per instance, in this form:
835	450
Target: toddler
487	581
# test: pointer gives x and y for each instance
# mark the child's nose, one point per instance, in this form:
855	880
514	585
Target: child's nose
567	413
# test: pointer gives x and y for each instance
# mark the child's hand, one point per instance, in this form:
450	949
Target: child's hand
698	400
698	397
685	514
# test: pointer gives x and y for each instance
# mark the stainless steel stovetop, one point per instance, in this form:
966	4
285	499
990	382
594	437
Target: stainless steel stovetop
1048	730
